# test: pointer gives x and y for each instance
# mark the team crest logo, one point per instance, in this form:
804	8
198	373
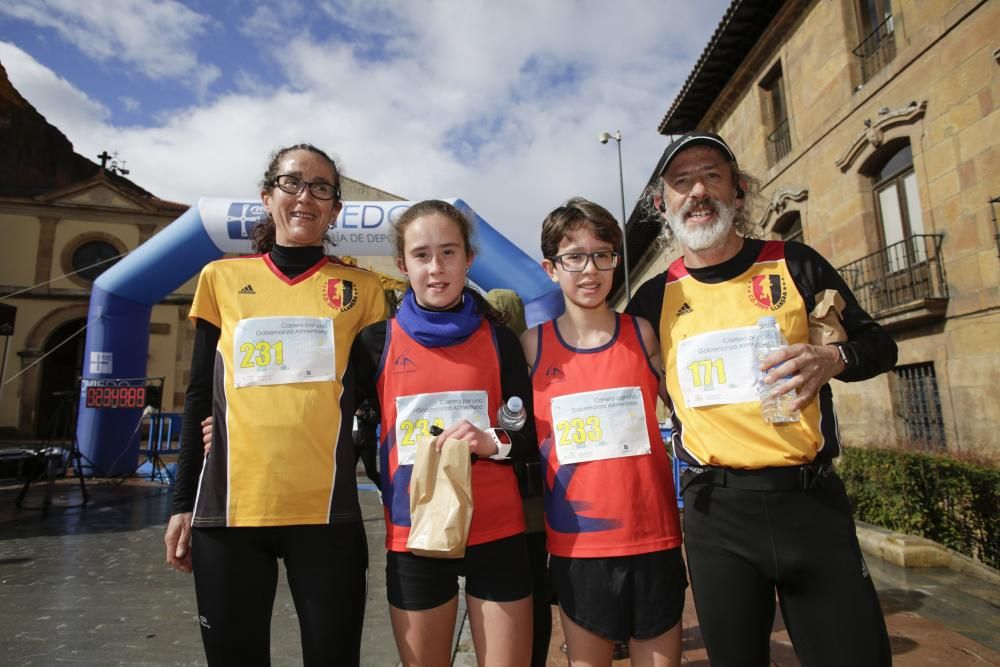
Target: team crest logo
340	294
554	374
767	291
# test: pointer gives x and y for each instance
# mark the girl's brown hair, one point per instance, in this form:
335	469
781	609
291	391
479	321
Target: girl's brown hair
443	208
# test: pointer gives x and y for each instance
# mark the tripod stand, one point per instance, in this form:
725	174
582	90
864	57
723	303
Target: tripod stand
48	462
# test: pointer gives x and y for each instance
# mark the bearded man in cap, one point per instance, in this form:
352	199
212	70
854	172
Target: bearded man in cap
764	511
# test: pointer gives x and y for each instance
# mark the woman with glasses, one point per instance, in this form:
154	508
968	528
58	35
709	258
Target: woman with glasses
273	333
612	527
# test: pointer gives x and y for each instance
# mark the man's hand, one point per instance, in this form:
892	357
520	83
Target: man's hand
178	542
206	434
807	367
480	442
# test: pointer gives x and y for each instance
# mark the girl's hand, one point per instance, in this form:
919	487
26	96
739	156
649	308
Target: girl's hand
480	442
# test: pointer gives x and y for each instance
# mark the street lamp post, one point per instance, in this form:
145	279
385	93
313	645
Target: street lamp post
617	136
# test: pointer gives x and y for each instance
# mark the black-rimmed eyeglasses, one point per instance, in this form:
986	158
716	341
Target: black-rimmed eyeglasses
294	185
604	260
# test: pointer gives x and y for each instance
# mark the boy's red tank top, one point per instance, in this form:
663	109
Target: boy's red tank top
613	507
408	368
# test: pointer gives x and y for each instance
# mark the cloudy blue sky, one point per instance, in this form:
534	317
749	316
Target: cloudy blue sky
499	103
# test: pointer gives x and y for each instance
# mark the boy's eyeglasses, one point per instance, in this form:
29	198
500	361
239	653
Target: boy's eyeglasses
604	260
294	185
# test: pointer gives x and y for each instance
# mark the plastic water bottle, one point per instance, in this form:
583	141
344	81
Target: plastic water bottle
768	339
512	415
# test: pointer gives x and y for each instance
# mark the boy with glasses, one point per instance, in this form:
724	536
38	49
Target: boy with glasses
612	525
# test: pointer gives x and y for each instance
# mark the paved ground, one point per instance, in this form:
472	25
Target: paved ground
88	586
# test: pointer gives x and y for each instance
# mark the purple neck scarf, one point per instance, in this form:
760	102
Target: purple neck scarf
438	328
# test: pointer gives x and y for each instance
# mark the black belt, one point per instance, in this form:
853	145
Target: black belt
793	478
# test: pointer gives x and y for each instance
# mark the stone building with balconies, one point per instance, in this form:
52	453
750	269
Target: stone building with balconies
874	127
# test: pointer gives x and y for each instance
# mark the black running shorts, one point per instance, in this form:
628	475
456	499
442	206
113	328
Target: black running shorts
639	596
497	571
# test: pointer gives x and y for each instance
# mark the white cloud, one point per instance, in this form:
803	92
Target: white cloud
498	104
130	103
274	19
155	38
66	107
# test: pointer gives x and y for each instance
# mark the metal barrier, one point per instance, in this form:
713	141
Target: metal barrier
163	438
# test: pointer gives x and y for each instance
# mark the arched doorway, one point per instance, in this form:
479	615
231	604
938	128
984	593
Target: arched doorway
57	387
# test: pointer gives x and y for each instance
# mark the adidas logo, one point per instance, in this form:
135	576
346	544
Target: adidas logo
248	289
684	310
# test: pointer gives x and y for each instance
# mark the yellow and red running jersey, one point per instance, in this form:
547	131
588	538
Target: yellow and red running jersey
706	334
279	393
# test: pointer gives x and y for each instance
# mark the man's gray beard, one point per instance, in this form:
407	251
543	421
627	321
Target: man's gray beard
702	237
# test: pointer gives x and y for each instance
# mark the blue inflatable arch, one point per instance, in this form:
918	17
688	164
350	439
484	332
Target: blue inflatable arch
123	297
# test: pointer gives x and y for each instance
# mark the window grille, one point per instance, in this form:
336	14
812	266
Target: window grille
918	405
779	143
877	49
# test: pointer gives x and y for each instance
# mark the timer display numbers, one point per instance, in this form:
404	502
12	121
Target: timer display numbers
116	397
126	394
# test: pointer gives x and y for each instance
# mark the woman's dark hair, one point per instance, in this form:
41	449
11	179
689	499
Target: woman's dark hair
443	208
263	233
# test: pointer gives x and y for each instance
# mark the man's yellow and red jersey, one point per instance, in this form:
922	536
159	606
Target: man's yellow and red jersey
746	440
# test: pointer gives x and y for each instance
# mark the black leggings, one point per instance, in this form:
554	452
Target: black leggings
236	574
743	546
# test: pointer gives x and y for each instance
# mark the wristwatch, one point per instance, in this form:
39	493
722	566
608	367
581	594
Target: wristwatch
847	355
502	438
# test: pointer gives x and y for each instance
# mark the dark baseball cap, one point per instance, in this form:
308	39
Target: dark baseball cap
689	140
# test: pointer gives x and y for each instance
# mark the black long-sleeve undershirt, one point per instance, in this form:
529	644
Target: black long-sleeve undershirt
366	354
198	399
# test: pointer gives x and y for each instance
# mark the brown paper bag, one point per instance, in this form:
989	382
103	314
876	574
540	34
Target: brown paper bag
824	320
440	499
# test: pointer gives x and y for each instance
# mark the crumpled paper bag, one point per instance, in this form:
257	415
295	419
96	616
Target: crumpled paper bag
824	320
440	499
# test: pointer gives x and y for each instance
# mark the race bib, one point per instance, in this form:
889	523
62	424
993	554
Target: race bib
416	414
716	368
597	425
283	350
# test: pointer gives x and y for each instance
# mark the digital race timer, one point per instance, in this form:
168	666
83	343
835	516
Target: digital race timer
127	394
116	397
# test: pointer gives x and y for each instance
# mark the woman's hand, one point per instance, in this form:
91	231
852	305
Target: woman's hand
178	542
206	434
480	442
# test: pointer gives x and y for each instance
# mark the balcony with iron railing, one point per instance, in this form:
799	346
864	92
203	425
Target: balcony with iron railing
902	284
779	143
877	49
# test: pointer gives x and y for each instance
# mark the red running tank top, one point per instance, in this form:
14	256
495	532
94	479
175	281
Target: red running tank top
612	507
408	369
